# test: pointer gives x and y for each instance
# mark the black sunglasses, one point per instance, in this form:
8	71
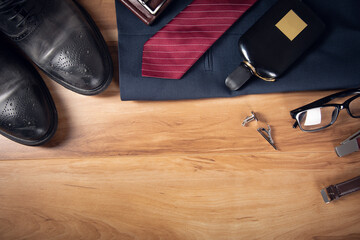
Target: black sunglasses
318	115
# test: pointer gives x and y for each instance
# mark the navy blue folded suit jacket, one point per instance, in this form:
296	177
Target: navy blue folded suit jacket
332	63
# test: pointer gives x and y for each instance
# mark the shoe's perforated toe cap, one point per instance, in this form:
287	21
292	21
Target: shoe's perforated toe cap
27	111
25	114
79	63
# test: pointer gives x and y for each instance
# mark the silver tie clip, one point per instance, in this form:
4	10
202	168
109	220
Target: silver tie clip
266	133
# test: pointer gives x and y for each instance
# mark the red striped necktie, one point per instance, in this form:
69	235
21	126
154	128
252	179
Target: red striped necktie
172	51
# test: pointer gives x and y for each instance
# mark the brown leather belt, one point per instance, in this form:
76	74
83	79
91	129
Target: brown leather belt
146	10
339	190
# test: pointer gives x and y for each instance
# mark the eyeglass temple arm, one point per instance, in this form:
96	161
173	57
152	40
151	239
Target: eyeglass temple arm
325	100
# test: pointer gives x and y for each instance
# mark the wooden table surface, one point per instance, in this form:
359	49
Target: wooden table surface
176	169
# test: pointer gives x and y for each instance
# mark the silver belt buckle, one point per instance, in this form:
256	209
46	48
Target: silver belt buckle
325	196
153	12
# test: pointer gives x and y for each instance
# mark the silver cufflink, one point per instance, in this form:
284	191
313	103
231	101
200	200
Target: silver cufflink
249	119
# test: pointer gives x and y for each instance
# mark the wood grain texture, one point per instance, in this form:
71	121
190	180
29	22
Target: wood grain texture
262	196
176	169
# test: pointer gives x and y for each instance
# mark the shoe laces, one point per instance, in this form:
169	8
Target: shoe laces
15	8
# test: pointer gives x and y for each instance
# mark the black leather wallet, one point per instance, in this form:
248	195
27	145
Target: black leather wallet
146	10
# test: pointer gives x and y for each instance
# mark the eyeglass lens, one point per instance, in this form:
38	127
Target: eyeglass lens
317	118
354	107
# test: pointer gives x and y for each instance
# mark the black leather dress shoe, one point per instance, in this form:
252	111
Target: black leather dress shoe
27	111
60	37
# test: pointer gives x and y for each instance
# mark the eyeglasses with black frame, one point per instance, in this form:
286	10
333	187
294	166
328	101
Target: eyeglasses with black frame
318	115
